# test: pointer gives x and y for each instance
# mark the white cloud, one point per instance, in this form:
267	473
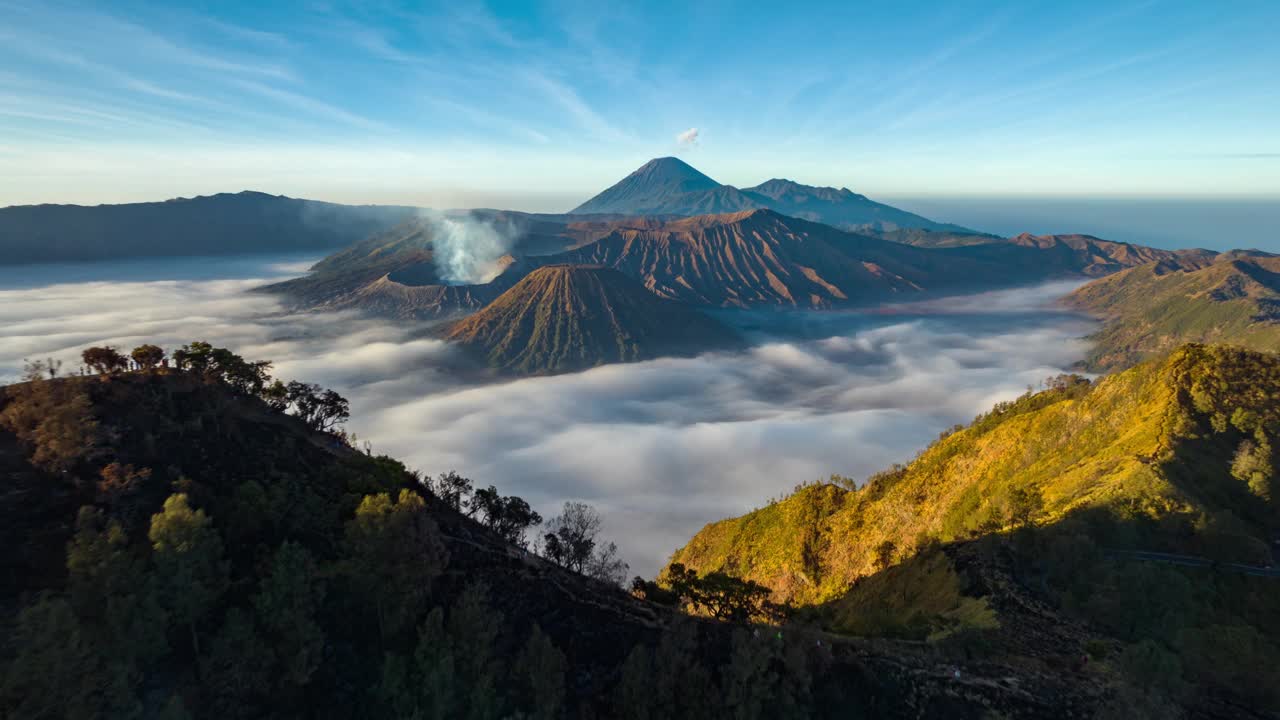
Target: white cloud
660	447
688	138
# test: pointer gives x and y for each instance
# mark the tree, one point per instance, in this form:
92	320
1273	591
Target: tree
454	670
606	566
286	607
1025	504
37	370
452	489
321	409
719	595
394	551
190	568
572	539
540	676
884	553
509	516
237	669
249	378
680	579
1252	464
120	489
682	685
633	696
148	356
276	396
196	357
54	419
56	673
748	680
104	360
729	598
108	587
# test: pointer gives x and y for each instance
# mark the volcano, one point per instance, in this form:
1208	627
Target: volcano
670	186
561	318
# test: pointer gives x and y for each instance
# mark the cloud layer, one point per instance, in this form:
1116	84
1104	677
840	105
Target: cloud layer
660	447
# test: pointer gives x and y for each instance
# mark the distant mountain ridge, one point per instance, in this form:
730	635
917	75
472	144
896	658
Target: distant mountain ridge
222	224
1232	297
750	258
761	257
670	186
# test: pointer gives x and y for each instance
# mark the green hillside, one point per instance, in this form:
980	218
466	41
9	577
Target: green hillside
1151	309
1010	528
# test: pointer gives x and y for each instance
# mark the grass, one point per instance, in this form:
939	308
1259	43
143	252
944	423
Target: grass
1152	441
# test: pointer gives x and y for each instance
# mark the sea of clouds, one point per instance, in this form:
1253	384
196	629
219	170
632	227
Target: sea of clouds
660	447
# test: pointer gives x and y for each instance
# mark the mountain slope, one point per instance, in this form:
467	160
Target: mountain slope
394	273
760	257
196	553
666	186
669	186
1130	522
1233	298
560	318
1138	441
839	207
224	224
751	258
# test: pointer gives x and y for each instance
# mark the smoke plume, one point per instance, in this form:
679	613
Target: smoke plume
466	248
688	138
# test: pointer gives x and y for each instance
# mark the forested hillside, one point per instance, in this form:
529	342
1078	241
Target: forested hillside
185	537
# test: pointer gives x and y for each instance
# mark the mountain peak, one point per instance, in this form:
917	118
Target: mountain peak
673	169
655	188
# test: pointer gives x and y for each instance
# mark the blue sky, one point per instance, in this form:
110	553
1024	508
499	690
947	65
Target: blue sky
539	106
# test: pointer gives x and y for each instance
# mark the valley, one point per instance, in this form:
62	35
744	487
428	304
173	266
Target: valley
628	361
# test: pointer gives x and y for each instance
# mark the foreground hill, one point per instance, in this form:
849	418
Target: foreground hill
561	318
175	547
1043	523
670	186
1233	297
223	224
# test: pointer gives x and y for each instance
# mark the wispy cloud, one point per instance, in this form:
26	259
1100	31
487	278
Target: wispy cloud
264	38
312	105
113	37
488	120
573	104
